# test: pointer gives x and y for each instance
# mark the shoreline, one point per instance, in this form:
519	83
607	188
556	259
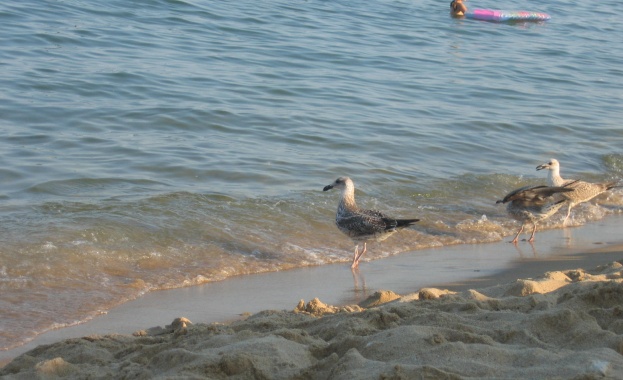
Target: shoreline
455	268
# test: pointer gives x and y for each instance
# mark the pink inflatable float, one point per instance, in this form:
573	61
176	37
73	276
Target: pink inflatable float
496	15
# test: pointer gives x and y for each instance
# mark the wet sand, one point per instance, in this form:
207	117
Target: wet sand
455	269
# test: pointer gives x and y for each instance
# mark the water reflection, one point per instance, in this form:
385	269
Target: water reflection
522	254
360	290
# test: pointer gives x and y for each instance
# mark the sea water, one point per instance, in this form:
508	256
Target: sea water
160	144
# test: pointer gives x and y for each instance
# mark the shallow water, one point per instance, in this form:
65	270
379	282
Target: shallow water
163	144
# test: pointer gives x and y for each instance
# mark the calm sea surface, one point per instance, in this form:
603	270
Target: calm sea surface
158	144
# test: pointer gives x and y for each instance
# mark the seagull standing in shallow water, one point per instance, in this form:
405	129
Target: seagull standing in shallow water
582	191
533	204
362	225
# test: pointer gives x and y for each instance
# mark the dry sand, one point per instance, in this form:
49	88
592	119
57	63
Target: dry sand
562	325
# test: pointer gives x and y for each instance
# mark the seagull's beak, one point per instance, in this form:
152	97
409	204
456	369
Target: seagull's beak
328	187
541	167
499	201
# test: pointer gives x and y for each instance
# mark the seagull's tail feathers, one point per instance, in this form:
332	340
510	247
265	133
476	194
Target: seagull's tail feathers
401	223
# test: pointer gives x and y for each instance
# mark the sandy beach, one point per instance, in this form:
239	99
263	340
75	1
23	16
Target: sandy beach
554	311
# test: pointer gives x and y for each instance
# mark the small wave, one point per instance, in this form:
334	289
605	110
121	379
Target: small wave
90	187
614	164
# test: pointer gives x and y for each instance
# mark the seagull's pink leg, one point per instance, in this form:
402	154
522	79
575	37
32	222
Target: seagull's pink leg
533	232
358	256
517	236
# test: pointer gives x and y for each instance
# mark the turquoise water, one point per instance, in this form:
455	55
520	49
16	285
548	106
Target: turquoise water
157	144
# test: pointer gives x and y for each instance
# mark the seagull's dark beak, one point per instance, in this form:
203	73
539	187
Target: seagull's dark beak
499	201
328	187
541	167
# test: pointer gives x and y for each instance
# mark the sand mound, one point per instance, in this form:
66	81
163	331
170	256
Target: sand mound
564	325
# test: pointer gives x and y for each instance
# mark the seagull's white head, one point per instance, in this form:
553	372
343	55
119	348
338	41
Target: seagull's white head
340	183
551	165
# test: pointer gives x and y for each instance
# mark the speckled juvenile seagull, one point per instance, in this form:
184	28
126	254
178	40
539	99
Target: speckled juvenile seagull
533	204
362	225
582	191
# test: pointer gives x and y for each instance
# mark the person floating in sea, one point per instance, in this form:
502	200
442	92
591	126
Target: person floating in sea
457	8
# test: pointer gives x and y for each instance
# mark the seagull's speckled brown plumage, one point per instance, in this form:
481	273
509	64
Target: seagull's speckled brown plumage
532	204
362	225
582	191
